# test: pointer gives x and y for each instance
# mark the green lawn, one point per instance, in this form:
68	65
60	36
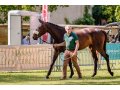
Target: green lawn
38	78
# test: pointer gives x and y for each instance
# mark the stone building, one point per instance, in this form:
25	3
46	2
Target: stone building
71	13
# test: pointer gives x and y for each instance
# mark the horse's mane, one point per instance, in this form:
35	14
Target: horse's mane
57	31
57	27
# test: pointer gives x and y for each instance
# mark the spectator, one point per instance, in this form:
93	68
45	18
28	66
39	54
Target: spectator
26	40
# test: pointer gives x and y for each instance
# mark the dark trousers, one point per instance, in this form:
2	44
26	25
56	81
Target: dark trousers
67	58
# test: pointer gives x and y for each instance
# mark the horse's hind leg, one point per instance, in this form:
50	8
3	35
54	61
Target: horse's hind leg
106	56
71	69
94	55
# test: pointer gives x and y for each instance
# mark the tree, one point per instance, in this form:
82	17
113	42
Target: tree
87	18
5	8
117	13
109	12
97	13
106	12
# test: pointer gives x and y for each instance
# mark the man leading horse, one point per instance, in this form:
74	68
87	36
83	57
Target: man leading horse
93	38
72	44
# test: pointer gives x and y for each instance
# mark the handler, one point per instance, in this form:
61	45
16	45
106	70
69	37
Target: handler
72	45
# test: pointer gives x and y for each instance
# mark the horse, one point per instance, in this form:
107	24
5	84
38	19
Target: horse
93	38
116	38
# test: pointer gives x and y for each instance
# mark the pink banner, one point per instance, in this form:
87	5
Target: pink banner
45	12
45	18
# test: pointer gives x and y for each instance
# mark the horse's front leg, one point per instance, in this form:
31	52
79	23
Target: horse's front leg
56	53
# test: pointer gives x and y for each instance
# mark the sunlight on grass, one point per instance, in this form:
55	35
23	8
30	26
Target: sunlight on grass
38	78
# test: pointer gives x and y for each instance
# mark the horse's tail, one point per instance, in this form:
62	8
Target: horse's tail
105	40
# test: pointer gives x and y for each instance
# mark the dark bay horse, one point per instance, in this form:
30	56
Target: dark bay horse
93	38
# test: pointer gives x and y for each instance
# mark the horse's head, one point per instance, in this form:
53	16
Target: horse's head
39	31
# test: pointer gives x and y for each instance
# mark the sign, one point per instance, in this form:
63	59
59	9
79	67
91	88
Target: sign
113	50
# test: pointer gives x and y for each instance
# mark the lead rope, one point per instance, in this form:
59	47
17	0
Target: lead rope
68	58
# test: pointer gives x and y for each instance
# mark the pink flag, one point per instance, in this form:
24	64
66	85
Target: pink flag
45	18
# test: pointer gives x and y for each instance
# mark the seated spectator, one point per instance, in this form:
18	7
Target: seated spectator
26	40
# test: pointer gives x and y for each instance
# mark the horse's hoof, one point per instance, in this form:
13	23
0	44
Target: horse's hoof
112	74
93	75
47	77
71	75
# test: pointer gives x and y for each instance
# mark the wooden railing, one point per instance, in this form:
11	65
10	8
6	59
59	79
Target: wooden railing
5	26
27	26
4	30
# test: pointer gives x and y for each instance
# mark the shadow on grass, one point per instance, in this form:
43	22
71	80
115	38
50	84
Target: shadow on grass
98	80
39	78
74	81
23	78
94	83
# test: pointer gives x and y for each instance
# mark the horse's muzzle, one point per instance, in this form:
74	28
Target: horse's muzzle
35	38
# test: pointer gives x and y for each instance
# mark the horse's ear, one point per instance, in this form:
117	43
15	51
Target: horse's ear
41	21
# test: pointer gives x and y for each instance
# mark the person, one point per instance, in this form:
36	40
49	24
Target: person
72	44
39	41
26	40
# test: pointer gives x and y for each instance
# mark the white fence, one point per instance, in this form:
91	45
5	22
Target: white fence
38	57
17	58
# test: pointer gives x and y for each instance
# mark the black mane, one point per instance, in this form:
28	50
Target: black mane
56	31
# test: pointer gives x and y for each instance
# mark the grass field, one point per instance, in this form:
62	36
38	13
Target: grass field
38	78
